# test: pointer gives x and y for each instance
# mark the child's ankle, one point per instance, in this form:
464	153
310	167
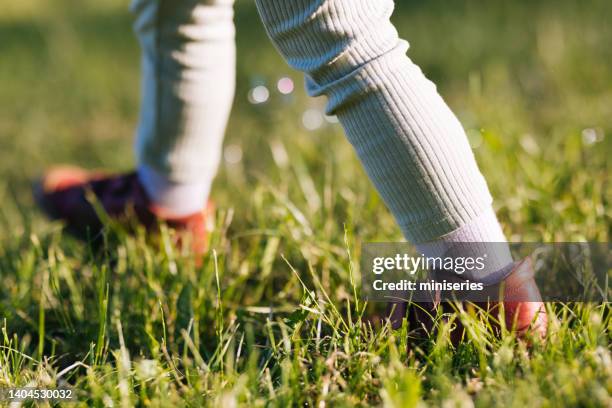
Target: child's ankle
176	198
482	237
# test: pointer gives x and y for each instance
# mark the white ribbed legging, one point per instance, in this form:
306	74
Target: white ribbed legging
412	146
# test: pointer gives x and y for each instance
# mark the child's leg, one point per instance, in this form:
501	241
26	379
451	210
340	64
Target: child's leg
188	77
413	148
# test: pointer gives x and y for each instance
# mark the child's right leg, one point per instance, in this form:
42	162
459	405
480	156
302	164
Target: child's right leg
412	146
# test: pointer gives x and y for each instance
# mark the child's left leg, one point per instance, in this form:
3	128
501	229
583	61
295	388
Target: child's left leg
188	70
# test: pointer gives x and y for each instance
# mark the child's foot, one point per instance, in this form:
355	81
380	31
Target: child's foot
70	194
524	317
523	309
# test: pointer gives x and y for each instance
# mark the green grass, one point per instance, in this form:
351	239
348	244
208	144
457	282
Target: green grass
271	317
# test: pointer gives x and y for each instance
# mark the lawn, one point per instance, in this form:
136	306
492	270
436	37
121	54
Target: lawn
273	315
